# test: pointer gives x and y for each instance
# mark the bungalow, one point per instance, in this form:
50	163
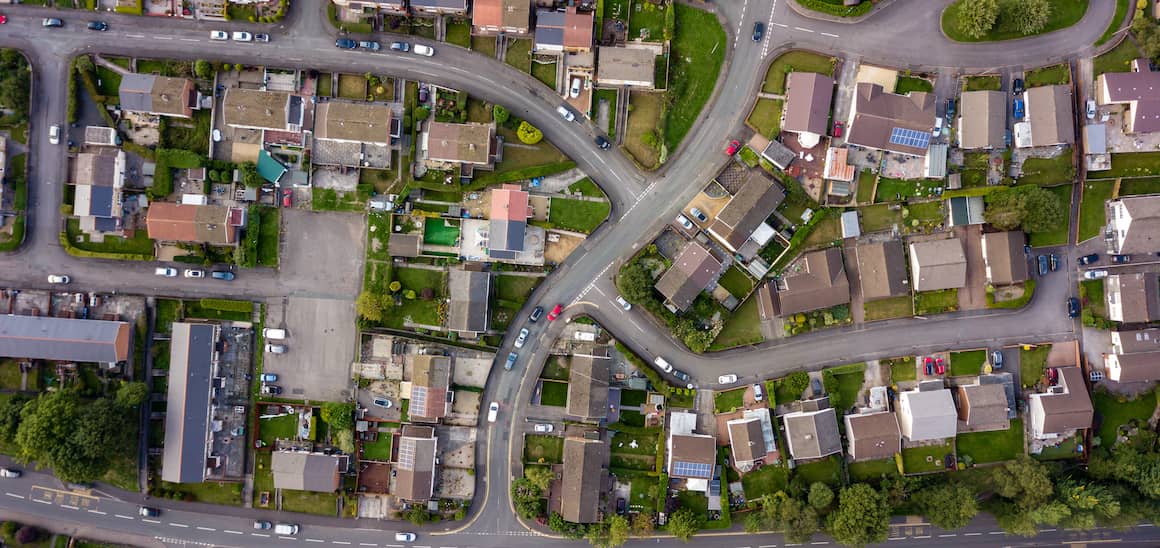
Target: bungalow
303	471
568	31
99	178
583	480
263	110
812	433
438	7
737	223
938	264
64	339
815	281
1005	258
351	134
872	436
983	407
1138	91
748	442
882	270
445	145
508	221
210	224
588	386
415	467
1133	298
983	122
157	95
467	313
190	403
1064	408
891	122
625	66
391	7
694	268
807	106
1134	224
501	16
431	394
927	413
1050	118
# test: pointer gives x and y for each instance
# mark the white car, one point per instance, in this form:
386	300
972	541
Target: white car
575	91
425	51
727	379
243	36
384	403
57	279
938	123
565	113
275	348
165	271
623	303
1091	109
1095	274
523	338
405	537
663	364
9	473
684	222
493	411
217	135
54	135
544	428
218	35
194	273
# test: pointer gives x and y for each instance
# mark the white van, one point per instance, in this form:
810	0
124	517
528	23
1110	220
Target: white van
274	334
664	365
565	113
286	529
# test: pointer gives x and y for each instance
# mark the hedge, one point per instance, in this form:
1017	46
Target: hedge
228	305
77	252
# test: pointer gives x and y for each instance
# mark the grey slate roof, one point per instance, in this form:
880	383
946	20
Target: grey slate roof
187	417
306	471
136	92
469	300
506	237
415	478
812	434
63	339
550	27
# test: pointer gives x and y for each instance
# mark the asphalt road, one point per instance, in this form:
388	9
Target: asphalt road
641	204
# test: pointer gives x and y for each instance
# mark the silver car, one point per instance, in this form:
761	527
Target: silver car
523	338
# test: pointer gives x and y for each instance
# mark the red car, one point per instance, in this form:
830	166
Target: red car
733	147
555	313
939	368
837	129
928	366
3	19
287	198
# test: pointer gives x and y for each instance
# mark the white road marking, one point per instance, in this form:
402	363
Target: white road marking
831	35
315	540
803	30
150	520
134	36
124	517
995	532
1145	525
598	290
286	538
367	544
819	543
232	532
206	529
162	37
175	524
15	496
782	25
190	40
339	542
259	535
69	506
1048	531
394	546
42	501
948	535
896	538
971	534
768	546
97	512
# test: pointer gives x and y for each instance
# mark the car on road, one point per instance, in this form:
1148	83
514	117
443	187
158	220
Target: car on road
57	279
684	377
9	473
758	392
1043	267
165	271
1054	262
1097	274
268	377
286	529
685	222
574	91
1072	307
996	359
492	411
727	379
345	43
405	537
537	313
511	361
263	37
1017	88
1017	109
222	275
603	142
1088	259
623	303
147	512
271	389
275	348
426	51
555	313
219	35
261	525
98	25
699	215
54	135
758	31
523	338
243	36
3	19
1121	259
1091	109
370	45
400	46
733	147
663	364
382	402
217	135
194	273
52	22
543	428
565	113
287	198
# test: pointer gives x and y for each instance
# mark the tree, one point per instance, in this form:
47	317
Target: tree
27	535
636	282
395	286
1027	206
795	383
422	113
500	114
78	445
132	394
610	534
540	476
683	524
526	497
250	175
203	69
417	514
642	523
370	306
339	416
820	495
947	505
1024	482
862	516
977	17
1028	16
344	440
529	134
10	417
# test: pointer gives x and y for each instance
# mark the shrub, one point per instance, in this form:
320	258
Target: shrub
227	305
529	134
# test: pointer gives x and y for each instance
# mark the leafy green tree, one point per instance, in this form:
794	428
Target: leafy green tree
203	69
529	134
1028	16
1027	206
820	495
500	114
526	497
78	445
540	476
422	113
618	529
340	416
977	17
796	382
10	417
683	524
1024	482
642	523
370	306
132	394
947	505
636	283
862	516
417	514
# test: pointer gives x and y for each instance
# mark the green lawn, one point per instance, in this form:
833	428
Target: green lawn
901	369
1122	7
541	153
546	73
1031	364
352	86
554	394
608	96
879	217
378	450
1060	235
697	52
1019	302
766	117
459	33
585	187
1135	164
1091	297
800	61
1112	413
188	134
985	82
543	449
1118	59
1053	75
578	215
519	54
1065	450
997	446
872	470
305	502
743	327
825	232
647	17
865	187
936	302
418	279
284	427
907	84
766	480
914	459
209	492
515	289
108	82
268	232
555	369
1048	171
828	471
967	363
1064	13
893	190
736	282
724	402
325	84
632	397
850	378
646	444
1091	208
485	45
1143	185
139	244
643	493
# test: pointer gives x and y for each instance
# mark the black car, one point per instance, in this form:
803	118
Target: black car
345	43
400	46
684	377
261	37
1088	259
98	25
1121	259
602	142
1043	265
758	31
1018	87
537	313
621	506
1054	262
950	108
1073	307
147	512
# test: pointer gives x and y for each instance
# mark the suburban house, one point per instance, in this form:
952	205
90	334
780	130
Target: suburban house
308	471
467	313
807	106
694	268
927	413
588	386
446	145
1005	258
1064	408
691	457
892	122
351	134
99	178
812	433
263	110
415	466
438	7
391	7
188	434
872	436
739	224
568	31
508	221
1135	356
583	479
747	442
210	224
1138	91
1134	224
157	95
431	394
64	339
624	66
983	120
938	264
882	270
496	16
1133	298
1050	118
814	281
983	407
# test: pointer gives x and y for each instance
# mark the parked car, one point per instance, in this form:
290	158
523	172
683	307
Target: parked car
838	129
218	35
663	364
400	46
382	402
996	359
345	43
147	512
492	411
287	198
268	377
426	51
816	386
574	91
194	273
938	123
261	525
555	313
623	303
98	25
1091	109
1054	262
223	275
950	108
404	537
683	377
1121	259
543	428
275	348
700	215
1072	307
758	392
1017	109
733	147
603	143
52	22
1043	267
939	366
286	529
928	365
271	389
243	36
727	379
537	313
274	334
1018	86
523	338
758	31
511	361
565	113
9	473
262	37
1098	274
1088	259
165	271
217	135
685	222
58	279
54	134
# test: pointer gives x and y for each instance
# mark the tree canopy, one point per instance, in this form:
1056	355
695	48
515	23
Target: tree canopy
1026	206
977	17
339	416
77	438
683	524
862	517
948	505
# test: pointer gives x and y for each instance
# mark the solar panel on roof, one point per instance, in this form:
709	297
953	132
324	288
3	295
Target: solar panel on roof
407	454
692	469
419	399
909	137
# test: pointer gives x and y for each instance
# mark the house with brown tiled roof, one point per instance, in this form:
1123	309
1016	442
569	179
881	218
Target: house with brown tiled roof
1138	91
746	210
1134	224
353	122
815	281
807	106
588	386
158	95
1135	355
414	467
468	309
1133	298
694	268
424	8
1050	118
1004	257
430	388
872	436
624	66
812	434
747	442
264	110
211	224
99	178
1064	408
888	121
983	407
565	31
583	480
445	144
983	119
506	16
882	269
691	457
938	264
508	221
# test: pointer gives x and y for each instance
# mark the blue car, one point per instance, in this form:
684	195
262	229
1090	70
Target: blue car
1018	109
1043	266
222	275
345	43
1073	307
511	361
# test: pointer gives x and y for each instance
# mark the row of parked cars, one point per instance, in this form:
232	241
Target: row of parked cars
194	273
371	45
238	36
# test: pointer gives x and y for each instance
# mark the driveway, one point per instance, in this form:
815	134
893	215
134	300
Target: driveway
323	253
974	295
